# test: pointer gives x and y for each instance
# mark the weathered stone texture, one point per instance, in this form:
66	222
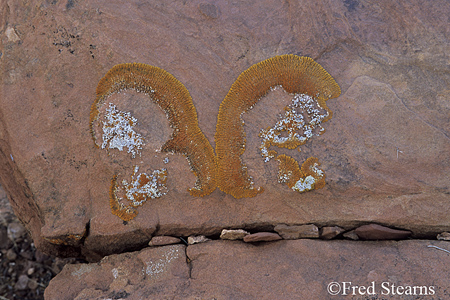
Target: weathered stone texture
290	269
384	153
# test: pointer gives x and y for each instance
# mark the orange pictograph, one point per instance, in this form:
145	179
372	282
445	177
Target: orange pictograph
308	83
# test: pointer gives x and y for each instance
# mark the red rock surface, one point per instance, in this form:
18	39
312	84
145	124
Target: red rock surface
385	152
294	269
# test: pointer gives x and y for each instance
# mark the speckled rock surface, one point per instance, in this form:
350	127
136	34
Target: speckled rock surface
384	153
290	269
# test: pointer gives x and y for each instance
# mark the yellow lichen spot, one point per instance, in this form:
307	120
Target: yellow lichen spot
300	76
118	208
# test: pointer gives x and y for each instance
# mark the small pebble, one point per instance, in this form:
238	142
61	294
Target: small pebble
328	233
444	236
16	231
262	237
30	271
33	284
163	240
351	235
11	254
233	234
197	239
22	282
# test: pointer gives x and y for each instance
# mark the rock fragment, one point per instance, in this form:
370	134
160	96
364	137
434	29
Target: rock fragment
11	254
163	240
330	232
262	237
195	239
351	235
444	236
22	282
378	232
11	35
233	234
16	231
294	232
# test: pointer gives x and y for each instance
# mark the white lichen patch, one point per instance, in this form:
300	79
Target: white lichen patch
158	266
118	131
304	184
302	119
115	273
284	176
318	172
142	186
307	183
82	270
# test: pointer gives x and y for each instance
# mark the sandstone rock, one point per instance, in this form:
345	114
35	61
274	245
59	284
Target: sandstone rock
378	232
389	58
163	240
444	236
351	235
297	231
197	239
233	234
328	233
281	270
161	269
261	237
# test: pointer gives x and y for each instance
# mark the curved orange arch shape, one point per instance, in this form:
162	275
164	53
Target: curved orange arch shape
297	75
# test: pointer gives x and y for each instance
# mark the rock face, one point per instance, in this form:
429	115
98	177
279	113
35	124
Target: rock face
384	152
124	274
292	269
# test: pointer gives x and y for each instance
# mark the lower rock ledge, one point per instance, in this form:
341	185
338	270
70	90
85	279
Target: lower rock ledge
288	269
